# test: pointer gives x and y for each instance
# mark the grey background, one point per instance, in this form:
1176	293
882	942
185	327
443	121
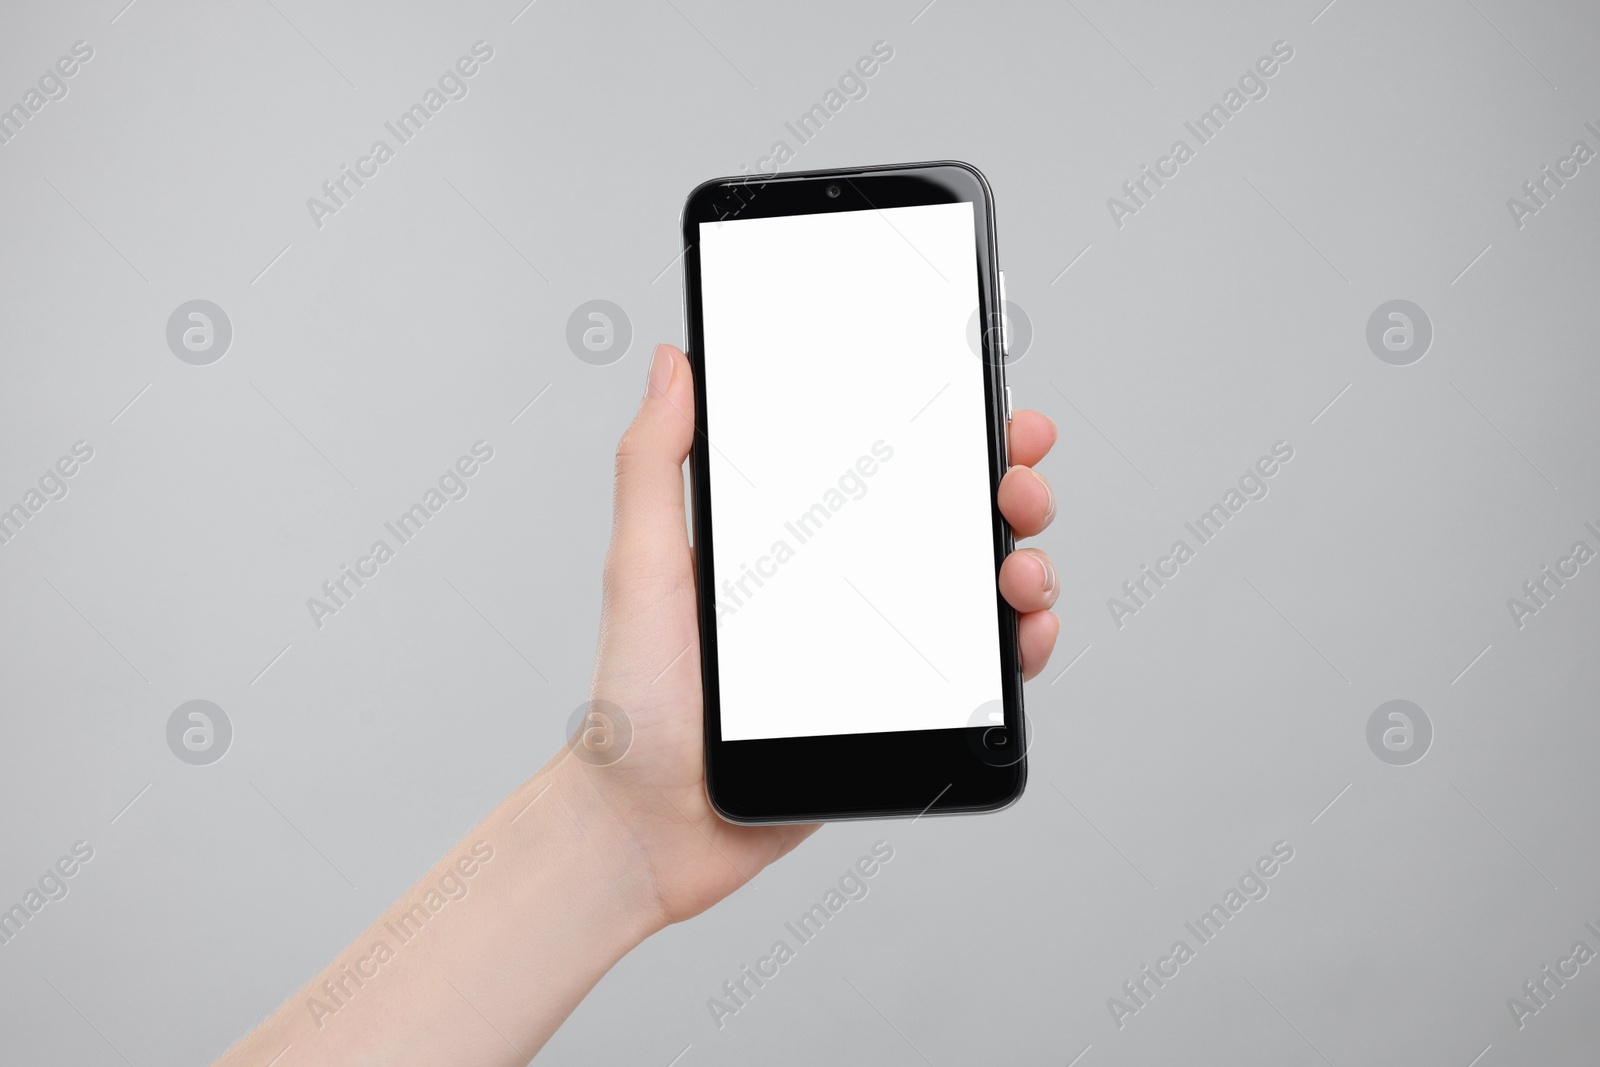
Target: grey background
1174	751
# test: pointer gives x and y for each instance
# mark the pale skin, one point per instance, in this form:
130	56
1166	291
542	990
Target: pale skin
583	862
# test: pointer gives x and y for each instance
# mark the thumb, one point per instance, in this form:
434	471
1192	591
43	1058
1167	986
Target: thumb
648	528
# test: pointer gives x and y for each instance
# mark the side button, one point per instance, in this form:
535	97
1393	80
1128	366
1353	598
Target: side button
1005	340
1008	403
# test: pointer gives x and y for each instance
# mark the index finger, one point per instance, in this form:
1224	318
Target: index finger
1032	435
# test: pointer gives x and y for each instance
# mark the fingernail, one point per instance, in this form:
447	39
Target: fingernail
660	372
1050	511
1051	589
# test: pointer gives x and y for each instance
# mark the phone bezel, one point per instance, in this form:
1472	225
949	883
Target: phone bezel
871	775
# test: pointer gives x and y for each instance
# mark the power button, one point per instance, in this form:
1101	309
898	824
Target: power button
1005	341
1008	403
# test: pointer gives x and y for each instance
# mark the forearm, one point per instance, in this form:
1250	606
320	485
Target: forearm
481	959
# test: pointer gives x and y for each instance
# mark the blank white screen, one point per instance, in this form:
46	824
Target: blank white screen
841	390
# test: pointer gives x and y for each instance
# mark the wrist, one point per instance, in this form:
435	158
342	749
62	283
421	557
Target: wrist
563	820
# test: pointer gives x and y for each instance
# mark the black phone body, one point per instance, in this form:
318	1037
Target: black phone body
827	316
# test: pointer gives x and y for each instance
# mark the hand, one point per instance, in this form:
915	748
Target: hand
653	800
570	883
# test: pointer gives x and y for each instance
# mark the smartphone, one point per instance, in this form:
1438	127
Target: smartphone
846	333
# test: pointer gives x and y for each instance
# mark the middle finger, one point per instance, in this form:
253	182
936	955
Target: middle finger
1026	500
